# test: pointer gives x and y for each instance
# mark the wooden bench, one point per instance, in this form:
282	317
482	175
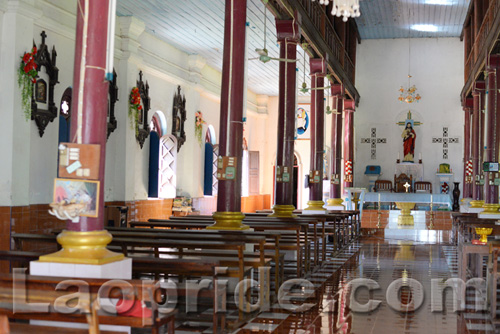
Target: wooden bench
167	267
293	229
300	244
272	239
43	290
128	245
24	328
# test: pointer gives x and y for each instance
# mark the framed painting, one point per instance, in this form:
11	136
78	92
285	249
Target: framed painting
302	121
78	192
41	91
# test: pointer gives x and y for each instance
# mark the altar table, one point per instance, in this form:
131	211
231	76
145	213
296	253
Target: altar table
409	197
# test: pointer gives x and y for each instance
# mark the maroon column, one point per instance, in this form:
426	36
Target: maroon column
491	141
318	72
95	95
336	141
468	177
231	113
476	142
349	108
288	35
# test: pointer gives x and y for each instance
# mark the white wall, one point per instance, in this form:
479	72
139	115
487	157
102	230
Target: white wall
29	165
437	72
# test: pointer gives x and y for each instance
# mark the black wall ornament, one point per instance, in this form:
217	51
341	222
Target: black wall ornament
47	60
143	132
179	117
112	98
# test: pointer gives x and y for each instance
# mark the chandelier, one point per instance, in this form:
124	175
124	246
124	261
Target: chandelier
409	95
345	8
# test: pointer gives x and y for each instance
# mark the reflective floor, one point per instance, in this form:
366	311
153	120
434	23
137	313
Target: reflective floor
388	260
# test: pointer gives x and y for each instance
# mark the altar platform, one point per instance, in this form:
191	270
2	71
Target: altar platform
389	220
384	197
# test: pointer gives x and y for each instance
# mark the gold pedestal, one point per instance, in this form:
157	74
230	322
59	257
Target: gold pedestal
283	211
405	217
335	202
315	205
476	204
484	232
83	248
490	209
228	221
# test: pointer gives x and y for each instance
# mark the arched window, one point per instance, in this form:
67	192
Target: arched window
65	116
158	124
162	159
210	135
210	183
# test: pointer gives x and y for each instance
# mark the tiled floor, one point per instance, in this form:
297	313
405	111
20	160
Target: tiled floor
389	255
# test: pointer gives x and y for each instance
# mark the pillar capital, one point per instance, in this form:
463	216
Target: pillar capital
468	104
288	30
338	90
349	105
493	62
317	66
478	87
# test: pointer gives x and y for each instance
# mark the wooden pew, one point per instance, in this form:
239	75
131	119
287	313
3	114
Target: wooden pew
128	244
166	267
43	289
303	234
285	242
23	328
272	240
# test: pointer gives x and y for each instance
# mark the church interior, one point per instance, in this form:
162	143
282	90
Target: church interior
250	166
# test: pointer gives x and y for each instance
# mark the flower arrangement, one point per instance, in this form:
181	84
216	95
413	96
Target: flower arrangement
134	108
198	127
26	77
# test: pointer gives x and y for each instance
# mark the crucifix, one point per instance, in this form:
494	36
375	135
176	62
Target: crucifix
373	141
409	120
406	185
445	140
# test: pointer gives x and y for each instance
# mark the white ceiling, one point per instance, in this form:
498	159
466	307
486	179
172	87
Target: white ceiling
197	27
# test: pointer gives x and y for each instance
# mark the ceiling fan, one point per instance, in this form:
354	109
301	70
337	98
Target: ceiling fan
263	53
304	89
329	110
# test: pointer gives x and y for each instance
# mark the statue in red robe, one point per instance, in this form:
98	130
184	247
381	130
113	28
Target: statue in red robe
409	137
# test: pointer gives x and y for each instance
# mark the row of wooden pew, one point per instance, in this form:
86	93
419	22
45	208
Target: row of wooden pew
182	248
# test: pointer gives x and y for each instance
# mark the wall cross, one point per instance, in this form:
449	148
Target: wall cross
445	140
373	140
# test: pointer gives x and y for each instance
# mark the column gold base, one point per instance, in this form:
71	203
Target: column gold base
491	209
476	204
228	221
83	248
315	205
335	202
283	211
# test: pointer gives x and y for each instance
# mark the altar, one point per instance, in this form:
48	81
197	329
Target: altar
409	198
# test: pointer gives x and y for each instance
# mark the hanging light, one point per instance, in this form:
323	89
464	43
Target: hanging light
345	8
409	95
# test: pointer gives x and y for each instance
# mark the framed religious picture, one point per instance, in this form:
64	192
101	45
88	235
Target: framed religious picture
43	106
80	195
41	91
302	121
178	118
